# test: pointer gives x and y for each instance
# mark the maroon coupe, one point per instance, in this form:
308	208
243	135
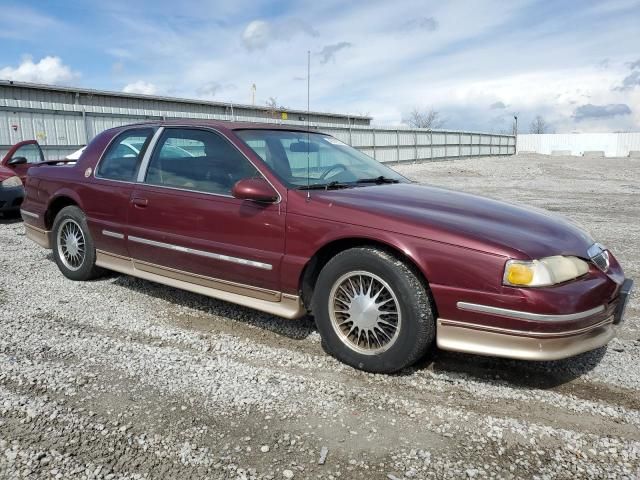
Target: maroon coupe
292	222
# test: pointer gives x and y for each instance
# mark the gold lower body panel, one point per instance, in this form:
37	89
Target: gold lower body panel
41	237
468	338
276	303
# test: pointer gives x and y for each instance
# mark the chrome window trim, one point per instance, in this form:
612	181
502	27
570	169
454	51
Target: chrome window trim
474	307
104	151
27	213
108	233
142	173
179	189
202	253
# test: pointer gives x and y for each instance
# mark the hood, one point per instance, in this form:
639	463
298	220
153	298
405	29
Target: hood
459	218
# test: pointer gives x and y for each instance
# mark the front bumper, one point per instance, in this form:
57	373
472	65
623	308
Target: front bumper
11	198
566	340
460	337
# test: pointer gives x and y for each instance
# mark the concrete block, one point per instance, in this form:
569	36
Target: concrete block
593	153
634	153
560	153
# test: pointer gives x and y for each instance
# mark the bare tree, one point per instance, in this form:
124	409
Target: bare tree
274	110
539	125
272	106
418	118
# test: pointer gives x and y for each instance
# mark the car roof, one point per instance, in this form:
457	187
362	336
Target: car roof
223	124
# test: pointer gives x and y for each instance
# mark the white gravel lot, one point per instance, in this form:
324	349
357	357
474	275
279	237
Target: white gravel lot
122	378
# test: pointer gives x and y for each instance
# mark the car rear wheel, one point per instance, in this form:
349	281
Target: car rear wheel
373	310
73	247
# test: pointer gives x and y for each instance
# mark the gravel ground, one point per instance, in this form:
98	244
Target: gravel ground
123	378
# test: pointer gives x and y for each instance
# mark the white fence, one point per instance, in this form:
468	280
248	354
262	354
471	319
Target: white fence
612	144
63	119
383	144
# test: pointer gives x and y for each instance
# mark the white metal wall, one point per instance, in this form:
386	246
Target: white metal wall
63	120
62	137
406	145
612	144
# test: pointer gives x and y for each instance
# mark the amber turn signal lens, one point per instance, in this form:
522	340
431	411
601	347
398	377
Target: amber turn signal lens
519	274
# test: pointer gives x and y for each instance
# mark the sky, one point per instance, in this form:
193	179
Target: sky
477	62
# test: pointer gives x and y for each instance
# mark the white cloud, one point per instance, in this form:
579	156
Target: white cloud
145	88
49	70
259	33
548	64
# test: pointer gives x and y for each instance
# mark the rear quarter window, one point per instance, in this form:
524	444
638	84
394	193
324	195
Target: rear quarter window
123	157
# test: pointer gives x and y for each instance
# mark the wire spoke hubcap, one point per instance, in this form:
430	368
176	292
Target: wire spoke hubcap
364	312
71	244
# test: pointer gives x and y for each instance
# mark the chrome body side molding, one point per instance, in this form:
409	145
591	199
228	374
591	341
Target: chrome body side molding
108	233
520	315
202	253
26	213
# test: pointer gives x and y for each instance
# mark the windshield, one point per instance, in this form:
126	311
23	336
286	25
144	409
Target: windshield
328	161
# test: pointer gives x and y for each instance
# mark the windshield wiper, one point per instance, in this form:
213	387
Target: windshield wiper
378	180
324	186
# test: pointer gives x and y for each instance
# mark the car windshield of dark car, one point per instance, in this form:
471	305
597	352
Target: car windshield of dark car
301	158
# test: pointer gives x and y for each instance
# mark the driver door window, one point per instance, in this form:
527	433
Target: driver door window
197	160
31	152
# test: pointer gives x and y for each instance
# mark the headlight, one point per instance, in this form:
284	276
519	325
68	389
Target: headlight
544	272
12	182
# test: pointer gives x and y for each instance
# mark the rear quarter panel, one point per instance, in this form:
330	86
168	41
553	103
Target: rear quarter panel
46	183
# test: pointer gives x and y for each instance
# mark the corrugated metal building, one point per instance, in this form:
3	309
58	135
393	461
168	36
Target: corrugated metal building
63	119
69	117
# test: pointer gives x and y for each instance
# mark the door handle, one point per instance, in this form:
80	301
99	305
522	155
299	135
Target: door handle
139	202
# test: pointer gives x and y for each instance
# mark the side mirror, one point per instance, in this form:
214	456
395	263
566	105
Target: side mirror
17	161
256	189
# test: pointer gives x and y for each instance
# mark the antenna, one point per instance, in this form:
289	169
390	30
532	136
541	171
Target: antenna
308	136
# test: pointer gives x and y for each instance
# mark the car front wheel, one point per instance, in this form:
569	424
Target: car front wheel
373	310
73	247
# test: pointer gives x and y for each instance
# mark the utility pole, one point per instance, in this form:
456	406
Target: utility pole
253	94
515	134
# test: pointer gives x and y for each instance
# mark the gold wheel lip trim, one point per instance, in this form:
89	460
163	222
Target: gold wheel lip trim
270	301
521	315
202	253
273	295
524	333
454	337
38	235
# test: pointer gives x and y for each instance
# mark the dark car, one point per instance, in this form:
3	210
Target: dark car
292	222
11	192
13	171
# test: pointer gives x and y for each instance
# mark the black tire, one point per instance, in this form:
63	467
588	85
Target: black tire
87	269
416	333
